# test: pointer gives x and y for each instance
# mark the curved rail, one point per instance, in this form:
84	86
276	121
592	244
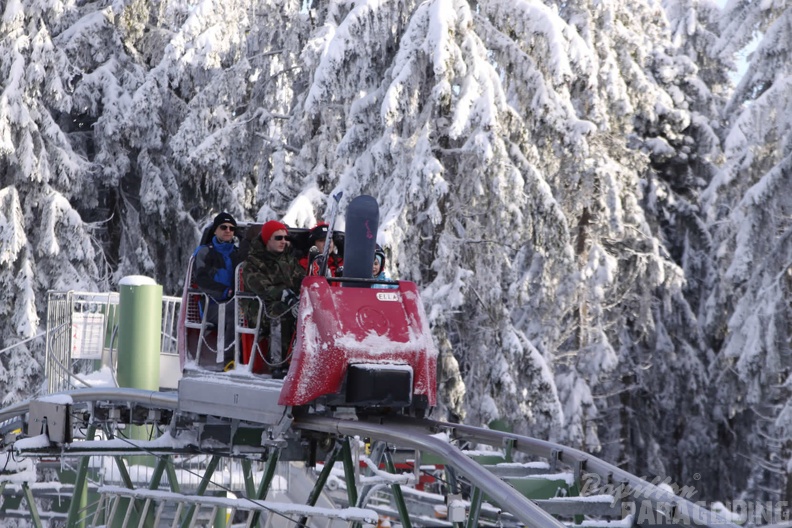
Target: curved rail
632	485
414	435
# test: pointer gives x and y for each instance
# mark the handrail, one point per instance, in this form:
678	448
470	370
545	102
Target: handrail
11	347
61	309
162	400
360	515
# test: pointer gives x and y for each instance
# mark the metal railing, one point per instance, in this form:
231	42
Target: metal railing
119	504
81	336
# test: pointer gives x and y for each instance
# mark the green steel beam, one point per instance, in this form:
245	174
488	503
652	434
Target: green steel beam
247	476
397	493
34	514
475	508
79	499
159	470
207	478
122	470
349	471
173	480
264	485
321	481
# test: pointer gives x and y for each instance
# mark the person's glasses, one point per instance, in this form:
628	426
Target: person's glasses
226	227
279	237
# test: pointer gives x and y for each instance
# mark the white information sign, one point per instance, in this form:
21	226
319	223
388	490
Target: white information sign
87	335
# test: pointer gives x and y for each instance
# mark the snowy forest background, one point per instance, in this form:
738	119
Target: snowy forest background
597	215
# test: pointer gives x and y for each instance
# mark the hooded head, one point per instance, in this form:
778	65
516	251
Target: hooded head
379	256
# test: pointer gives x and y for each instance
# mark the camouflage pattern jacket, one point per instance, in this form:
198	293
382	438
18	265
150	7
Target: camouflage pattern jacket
267	275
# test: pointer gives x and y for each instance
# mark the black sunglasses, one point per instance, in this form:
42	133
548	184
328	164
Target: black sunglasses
279	237
226	227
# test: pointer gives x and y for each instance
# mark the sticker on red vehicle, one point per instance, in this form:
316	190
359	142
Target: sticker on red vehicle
388	296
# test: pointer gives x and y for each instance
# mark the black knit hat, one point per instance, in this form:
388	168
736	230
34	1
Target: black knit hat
222	218
318	232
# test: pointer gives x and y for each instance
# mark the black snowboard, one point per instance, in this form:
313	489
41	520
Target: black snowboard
360	240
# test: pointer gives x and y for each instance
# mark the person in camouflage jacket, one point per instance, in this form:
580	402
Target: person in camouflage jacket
275	276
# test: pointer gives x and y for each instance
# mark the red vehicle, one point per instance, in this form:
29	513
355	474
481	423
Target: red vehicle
361	347
355	345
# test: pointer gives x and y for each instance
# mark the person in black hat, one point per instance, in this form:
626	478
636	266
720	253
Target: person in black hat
317	237
213	273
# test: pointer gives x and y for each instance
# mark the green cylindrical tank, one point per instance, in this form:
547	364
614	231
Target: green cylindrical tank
139	327
139	337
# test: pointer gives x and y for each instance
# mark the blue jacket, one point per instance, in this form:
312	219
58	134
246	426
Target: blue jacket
213	269
382	276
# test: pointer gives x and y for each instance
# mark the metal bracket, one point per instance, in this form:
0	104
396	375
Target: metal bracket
52	419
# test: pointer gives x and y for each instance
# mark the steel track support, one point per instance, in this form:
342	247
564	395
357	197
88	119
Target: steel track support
159	470
80	498
321	481
210	469
134	505
508	448
376	457
34	514
124	472
173	479
475	508
349	471
364	496
247	476
264	485
397	493
453	481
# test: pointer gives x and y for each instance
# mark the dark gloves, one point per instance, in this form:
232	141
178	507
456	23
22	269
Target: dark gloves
291	300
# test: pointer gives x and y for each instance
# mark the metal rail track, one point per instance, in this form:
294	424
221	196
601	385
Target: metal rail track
419	434
424	436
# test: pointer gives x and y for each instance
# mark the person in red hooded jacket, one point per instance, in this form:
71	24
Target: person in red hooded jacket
311	262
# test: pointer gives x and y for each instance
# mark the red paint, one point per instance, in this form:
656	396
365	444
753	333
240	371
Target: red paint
341	326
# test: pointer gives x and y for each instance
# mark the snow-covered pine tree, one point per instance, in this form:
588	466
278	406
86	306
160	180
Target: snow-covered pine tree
45	177
200	128
749	309
133	124
696	77
618	114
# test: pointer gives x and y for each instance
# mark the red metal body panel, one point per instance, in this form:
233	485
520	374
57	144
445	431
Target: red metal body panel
342	326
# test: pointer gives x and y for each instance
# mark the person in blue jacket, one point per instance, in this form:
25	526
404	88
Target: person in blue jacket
378	270
213	273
